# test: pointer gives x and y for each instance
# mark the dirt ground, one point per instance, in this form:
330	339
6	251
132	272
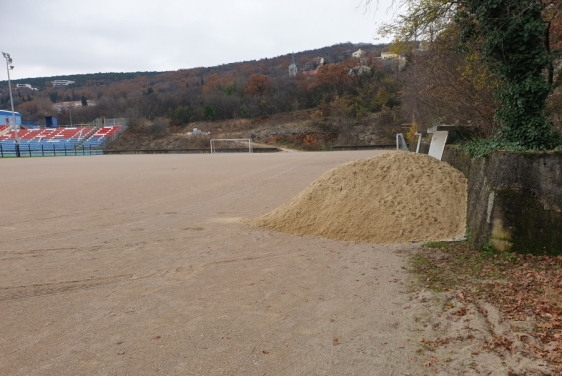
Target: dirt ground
140	265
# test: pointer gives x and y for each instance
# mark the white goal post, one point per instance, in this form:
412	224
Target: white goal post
237	140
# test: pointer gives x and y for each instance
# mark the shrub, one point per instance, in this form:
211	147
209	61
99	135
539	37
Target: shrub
159	127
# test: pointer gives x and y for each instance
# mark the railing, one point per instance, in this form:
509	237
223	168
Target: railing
30	124
89	134
116	121
46	151
77	125
110	139
100	122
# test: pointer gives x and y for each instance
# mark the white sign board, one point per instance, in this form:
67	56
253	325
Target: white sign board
437	145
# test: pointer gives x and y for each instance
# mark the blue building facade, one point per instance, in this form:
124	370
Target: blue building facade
8	115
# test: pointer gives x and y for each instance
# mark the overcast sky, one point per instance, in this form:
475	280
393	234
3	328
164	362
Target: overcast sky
60	37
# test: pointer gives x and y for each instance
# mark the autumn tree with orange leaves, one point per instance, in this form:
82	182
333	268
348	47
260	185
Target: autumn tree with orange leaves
258	84
332	77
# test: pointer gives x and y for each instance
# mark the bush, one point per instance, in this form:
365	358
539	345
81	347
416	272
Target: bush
182	114
133	123
159	127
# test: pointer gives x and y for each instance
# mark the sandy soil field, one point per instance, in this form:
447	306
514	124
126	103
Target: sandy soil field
139	265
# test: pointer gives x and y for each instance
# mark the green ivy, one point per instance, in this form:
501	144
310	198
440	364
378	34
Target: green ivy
512	42
485	147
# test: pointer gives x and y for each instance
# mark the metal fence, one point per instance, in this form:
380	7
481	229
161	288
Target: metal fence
46	151
109	122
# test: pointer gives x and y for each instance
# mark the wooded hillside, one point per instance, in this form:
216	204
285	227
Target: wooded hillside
237	90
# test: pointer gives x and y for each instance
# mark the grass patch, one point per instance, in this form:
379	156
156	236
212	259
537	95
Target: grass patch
437	245
443	266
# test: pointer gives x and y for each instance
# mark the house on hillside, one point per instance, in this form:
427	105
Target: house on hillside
359	54
59	83
311	68
397	61
319	60
25	86
389	56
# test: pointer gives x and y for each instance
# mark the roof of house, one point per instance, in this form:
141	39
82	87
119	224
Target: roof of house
4	112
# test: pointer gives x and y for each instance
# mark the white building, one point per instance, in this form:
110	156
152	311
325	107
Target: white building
389	56
318	60
58	83
25	86
359	54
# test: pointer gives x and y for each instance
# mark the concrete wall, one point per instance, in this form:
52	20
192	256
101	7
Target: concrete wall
514	200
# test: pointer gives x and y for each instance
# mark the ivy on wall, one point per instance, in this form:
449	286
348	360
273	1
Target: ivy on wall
513	41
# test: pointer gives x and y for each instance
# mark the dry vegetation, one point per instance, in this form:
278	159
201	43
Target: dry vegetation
301	130
524	288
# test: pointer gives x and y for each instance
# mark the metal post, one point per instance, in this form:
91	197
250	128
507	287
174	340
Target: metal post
14	123
1	151
29	148
42	150
419	141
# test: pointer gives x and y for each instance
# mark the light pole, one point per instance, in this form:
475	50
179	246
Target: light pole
9	67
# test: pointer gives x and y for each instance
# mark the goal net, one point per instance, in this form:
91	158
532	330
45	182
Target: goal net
231	145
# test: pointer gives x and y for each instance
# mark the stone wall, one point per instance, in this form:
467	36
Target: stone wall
514	200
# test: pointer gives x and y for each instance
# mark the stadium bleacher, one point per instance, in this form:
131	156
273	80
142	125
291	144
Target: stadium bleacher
66	139
101	135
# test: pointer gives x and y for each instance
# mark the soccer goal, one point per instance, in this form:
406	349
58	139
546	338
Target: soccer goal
225	145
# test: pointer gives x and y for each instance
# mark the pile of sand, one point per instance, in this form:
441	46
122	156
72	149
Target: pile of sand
391	198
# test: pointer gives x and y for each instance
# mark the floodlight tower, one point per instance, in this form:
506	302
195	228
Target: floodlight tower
15	126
